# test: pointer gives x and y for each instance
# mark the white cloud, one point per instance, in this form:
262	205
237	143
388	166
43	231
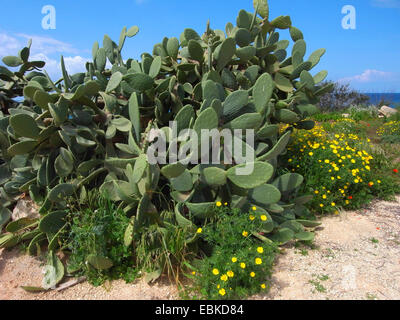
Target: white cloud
370	76
8	45
386	3
48	45
73	64
44	49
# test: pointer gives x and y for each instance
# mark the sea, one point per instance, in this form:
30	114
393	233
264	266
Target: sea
393	99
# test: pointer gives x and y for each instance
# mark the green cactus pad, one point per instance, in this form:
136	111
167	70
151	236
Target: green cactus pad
261	174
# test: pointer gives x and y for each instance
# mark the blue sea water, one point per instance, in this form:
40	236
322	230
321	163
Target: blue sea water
393	98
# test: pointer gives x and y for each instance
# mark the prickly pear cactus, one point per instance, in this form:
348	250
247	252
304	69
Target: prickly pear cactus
91	130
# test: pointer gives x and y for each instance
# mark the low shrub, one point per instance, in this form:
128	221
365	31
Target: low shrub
96	244
346	126
240	263
390	132
338	169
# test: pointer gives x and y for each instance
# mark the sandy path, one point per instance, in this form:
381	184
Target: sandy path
356	256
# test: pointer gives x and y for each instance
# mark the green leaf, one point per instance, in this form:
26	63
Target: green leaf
139	81
260	174
282	22
173	47
263	8
61	191
24	125
99	262
101	59
288	182
155	67
214	176
183	182
196	51
12	61
21	148
262	91
234	104
173	170
53	222
283	83
227	51
20	224
208	119
245	121
140	167
304	236
265	194
133	31
64	163
296	34
114	82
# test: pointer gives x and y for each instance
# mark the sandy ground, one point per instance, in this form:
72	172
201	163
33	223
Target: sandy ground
356	256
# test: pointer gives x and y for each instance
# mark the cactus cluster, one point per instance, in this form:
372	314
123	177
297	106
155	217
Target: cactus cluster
90	130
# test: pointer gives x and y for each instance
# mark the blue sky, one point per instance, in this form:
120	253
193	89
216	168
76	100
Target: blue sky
367	57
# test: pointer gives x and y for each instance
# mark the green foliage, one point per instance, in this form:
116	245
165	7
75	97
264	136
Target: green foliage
91	130
341	168
96	244
232	270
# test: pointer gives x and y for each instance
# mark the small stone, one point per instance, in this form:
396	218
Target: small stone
387	111
25	208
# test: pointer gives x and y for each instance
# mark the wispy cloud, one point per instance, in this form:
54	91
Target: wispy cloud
370	75
48	45
386	3
8	45
44	49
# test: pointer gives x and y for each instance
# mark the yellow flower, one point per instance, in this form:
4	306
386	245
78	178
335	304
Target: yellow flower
224	277
199	230
379	181
333	204
194	273
252	217
234	259
356	181
260	249
324	196
254	208
263	286
222	292
245	233
219	204
226	203
215	272
252	274
258	261
321	205
316	191
327	161
230	274
311	154
243	265
264	217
